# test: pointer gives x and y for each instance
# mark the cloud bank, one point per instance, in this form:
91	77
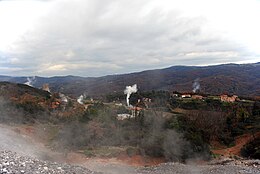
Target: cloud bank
94	38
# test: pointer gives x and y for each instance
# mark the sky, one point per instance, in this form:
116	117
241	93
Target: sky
102	37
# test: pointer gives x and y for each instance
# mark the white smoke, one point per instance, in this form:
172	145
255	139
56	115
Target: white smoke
63	97
128	91
30	81
46	87
80	99
196	85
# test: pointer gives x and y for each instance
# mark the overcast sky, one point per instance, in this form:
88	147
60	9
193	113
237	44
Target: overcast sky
101	37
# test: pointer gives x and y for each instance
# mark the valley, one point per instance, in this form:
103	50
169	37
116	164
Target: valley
108	136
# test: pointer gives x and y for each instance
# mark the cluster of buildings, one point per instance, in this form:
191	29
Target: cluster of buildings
143	103
134	111
223	97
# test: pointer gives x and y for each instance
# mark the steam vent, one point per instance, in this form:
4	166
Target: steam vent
45	87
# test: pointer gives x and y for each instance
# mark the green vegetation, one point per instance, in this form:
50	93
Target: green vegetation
104	151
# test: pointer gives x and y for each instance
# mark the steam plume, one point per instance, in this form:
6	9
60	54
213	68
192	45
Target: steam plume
128	91
80	99
45	87
196	85
30	81
63	97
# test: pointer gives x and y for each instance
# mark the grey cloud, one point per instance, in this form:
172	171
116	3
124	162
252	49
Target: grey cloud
93	38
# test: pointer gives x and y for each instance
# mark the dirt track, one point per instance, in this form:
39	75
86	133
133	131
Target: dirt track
239	143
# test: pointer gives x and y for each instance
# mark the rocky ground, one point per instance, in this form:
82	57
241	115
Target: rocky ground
12	163
226	166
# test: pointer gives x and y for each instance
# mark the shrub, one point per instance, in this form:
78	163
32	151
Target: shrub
251	149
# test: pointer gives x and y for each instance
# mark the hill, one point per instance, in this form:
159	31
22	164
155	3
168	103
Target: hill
240	79
8	90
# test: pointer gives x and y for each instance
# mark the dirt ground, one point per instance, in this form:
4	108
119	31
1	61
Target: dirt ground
239	143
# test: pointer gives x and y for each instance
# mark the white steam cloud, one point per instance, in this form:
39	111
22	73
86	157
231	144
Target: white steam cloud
80	99
45	87
196	85
30	81
128	91
63	97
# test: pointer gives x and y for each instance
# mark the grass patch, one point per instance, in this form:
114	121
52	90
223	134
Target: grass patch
52	132
215	155
104	151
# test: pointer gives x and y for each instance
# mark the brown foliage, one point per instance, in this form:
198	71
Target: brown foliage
210	122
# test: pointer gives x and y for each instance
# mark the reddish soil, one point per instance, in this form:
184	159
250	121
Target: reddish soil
239	143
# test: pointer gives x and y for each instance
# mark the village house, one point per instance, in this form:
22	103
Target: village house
185	96
230	99
197	97
135	110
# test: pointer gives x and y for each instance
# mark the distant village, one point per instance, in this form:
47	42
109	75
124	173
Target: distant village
142	103
223	97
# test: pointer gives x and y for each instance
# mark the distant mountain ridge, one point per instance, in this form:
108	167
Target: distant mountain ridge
240	79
